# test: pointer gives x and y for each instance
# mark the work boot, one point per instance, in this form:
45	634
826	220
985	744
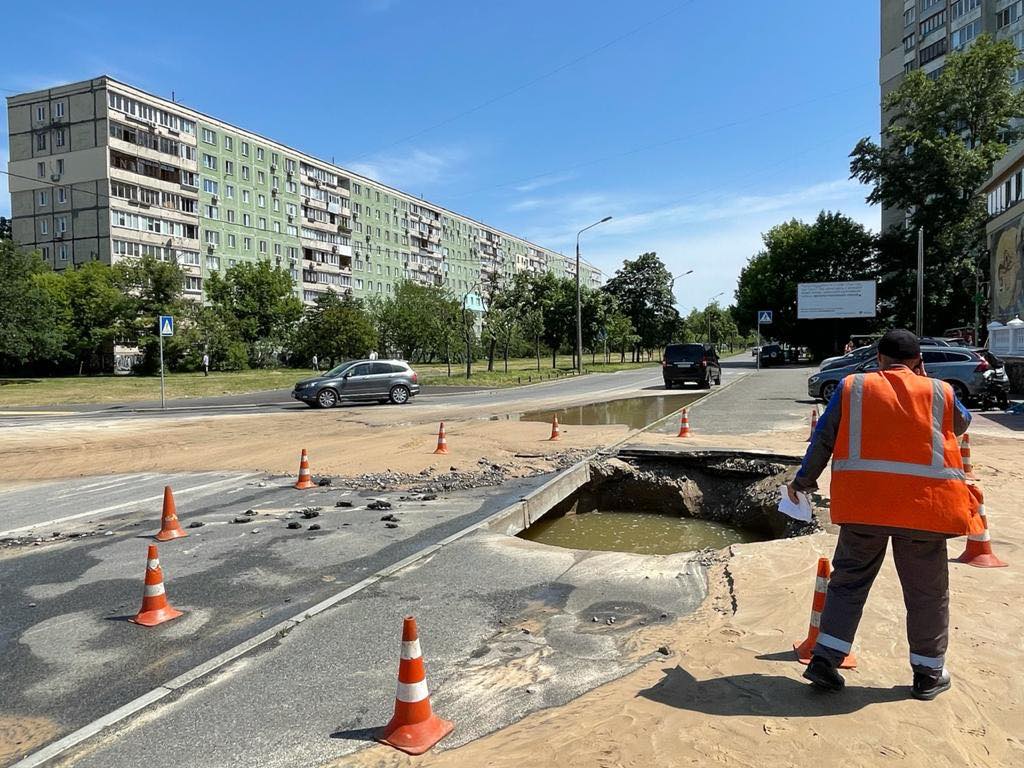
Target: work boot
824	675
927	687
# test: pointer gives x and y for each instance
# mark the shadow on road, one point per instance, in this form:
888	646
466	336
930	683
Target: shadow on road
762	695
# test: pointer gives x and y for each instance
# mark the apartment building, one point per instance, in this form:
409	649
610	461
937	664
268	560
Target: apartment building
104	171
919	34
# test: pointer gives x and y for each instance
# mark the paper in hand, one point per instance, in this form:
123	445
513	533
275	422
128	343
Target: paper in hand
799	511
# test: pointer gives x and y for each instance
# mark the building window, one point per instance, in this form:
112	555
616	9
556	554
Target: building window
245	196
926	4
212	212
209	161
231	216
262	222
41	169
213	262
246	220
229	168
212	237
932	23
263	246
245	173
244	146
246	243
964	35
209	136
231	241
961	7
44	227
229	191
42	198
259	153
59	137
40	113
62	224
62	195
210	186
229	144
193	284
932	52
41	141
1008	15
60	165
58	109
261	178
261	201
63	252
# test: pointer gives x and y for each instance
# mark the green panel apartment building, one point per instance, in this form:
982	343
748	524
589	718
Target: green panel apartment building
103	171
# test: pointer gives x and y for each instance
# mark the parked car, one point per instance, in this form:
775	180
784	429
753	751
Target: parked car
772	354
360	380
963	369
691	362
869	352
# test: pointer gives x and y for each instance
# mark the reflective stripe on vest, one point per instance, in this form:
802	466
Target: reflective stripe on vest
937	470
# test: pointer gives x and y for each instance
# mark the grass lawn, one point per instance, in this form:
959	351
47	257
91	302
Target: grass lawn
119	389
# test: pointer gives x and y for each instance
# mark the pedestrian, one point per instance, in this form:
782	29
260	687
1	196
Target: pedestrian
373	354
316	364
848	348
896	474
206	364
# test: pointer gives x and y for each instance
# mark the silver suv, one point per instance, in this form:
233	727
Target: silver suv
360	380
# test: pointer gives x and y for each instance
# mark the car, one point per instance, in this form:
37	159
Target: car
869	352
360	381
772	354
962	368
691	362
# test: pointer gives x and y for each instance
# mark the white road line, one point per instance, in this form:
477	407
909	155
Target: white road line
110	484
103	510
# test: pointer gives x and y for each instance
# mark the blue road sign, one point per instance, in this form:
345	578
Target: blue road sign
764	316
166	325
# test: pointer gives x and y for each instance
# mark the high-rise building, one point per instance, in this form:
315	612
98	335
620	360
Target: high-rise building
103	171
919	34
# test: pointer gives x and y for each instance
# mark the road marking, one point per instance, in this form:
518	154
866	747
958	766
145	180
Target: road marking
103	510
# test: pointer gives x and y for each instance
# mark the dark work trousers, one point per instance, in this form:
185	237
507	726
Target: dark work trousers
923	569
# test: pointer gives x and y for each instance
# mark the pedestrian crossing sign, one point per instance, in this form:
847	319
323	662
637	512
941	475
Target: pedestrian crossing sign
764	316
166	325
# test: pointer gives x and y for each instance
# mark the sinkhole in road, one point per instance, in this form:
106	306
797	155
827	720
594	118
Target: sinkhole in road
634	412
659	503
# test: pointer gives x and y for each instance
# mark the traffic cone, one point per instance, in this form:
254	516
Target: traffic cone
965	457
170	528
414	728
555	432
305	478
442	441
155	608
814	422
979	547
684	424
805	650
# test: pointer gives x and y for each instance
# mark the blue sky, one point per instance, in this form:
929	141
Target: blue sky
697	125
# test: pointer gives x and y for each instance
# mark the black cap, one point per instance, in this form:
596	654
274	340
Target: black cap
899	344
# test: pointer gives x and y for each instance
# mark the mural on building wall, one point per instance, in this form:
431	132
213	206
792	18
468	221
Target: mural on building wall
1008	271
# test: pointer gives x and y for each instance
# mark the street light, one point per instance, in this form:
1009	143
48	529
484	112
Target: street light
579	304
706	307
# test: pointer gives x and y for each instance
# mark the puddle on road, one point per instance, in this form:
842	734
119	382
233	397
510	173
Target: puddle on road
643	533
634	412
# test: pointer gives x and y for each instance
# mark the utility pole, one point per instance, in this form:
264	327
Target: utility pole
920	281
579	302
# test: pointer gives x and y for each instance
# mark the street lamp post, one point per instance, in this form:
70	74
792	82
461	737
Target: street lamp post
706	312
579	302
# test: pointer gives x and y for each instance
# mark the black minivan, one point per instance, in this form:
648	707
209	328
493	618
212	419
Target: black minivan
691	362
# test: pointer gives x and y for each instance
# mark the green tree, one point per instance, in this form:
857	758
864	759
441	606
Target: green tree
5	228
643	290
99	314
621	334
942	139
33	314
258	301
834	247
151	288
335	328
407	320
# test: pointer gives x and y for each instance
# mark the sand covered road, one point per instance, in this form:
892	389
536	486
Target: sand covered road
730	693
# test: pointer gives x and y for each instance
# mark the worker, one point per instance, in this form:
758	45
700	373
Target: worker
896	474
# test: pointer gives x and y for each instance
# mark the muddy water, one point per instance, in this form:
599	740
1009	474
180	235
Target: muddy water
644	533
634	412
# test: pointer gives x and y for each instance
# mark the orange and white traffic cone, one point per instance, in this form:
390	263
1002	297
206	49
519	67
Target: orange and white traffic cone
805	650
305	478
442	440
155	608
684	424
814	423
414	728
979	547
965	457
555	431
170	528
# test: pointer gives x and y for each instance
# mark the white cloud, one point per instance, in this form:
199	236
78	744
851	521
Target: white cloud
539	182
412	169
714	235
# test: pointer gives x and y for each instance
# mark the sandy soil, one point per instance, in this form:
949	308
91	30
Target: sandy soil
349	445
731	693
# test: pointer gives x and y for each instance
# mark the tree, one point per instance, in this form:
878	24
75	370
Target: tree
940	144
6	232
335	329
407	320
643	290
32	318
834	247
99	313
151	288
621	334
258	301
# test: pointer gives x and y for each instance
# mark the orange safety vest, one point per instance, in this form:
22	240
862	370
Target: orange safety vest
896	461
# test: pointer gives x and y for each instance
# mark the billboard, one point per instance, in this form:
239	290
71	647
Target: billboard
817	301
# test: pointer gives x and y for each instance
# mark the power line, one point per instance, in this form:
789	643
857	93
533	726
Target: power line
529	83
